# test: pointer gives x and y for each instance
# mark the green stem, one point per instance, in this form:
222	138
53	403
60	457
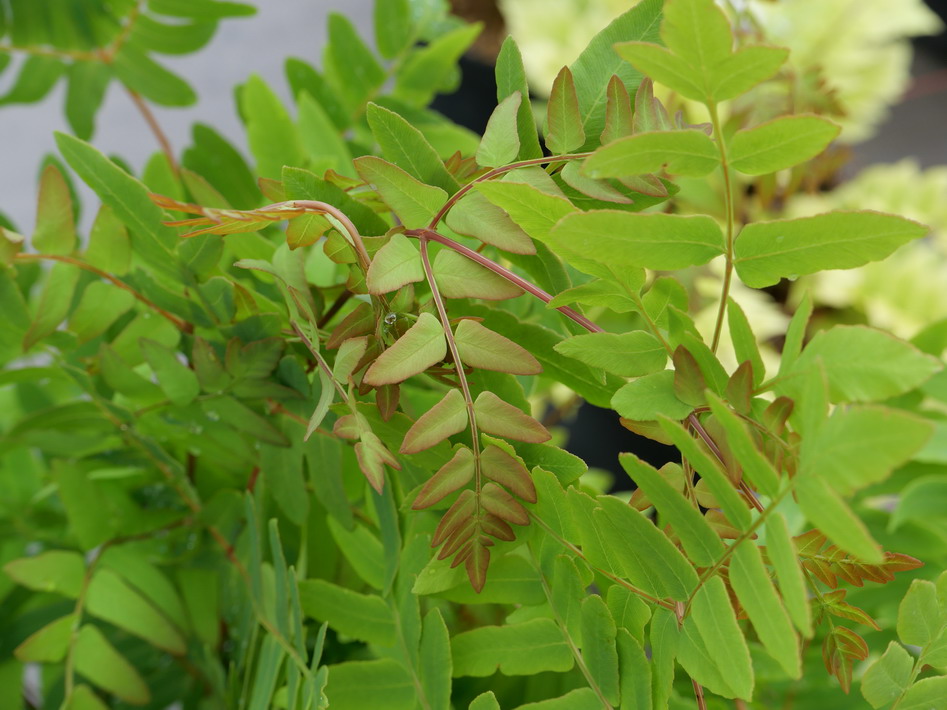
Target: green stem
915	672
108	54
70	666
56	53
459	366
731	219
156	129
746	535
605	573
323	365
643	312
560	622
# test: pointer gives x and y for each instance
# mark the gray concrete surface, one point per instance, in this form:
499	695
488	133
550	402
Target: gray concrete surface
243	46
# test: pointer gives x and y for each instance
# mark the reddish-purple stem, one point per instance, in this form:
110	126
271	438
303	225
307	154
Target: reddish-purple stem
428	234
453	199
505	273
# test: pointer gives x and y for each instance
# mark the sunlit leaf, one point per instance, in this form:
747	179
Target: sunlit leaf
320	139
744	69
535	211
780	144
127	197
625	239
57	571
782	555
495	416
712	648
744	341
926	693
481	347
50	643
627	354
406	147
618	113
55	231
430	70
501	142
499	466
752	585
100	662
650	396
475	217
768	251
414	202
711	471
598	62
394	265
510	78
460	277
515	649
111	599
653	563
564	129
698	539
920	619
444	419
864	365
755	465
828	511
687	152
861	445
888	677
349	64
454	474
420	347
362	616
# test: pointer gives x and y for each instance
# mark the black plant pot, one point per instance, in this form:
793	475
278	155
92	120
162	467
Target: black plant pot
937	44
